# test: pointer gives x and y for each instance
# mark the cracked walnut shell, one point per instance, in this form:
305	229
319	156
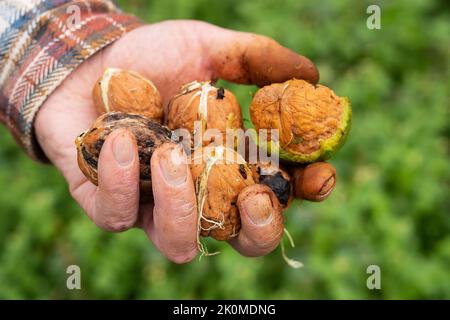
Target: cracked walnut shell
149	135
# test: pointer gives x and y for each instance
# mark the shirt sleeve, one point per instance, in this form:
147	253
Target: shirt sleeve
41	43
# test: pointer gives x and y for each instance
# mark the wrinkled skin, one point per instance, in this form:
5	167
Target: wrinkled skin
170	53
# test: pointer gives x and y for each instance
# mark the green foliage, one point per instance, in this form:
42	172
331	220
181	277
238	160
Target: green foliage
390	208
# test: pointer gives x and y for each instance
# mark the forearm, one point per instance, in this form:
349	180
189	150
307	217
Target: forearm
41	43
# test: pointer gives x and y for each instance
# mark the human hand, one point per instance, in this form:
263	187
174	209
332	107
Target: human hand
170	53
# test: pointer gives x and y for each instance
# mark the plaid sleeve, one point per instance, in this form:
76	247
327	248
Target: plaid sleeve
41	43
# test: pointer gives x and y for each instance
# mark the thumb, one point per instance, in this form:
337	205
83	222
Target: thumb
255	59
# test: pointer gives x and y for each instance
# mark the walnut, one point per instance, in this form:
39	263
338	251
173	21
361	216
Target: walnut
219	174
315	182
215	108
313	122
126	91
149	135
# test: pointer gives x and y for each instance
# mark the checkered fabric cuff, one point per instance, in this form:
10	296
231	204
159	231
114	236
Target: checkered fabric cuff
41	43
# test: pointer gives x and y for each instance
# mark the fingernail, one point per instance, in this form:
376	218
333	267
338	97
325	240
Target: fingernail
173	165
123	149
258	208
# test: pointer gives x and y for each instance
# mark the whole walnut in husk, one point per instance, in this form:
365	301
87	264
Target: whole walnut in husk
219	174
149	135
313	121
215	108
276	179
127	91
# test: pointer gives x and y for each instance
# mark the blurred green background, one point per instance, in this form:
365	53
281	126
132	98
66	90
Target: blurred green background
390	208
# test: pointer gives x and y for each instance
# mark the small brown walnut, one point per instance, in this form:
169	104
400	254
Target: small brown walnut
149	135
215	108
314	182
127	91
220	174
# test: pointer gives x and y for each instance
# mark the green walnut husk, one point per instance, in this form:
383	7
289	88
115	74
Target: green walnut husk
313	122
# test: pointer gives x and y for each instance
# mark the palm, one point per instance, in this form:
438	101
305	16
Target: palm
70	111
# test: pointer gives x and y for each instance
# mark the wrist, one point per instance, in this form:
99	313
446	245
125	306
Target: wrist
30	74
71	97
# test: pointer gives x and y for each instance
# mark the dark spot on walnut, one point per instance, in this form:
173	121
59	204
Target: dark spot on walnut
99	144
242	171
135	116
88	158
220	93
149	144
114	116
279	185
145	173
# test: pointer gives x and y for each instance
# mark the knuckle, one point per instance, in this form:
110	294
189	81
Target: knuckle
114	225
123	188
122	202
259	244
179	251
182	258
267	243
115	218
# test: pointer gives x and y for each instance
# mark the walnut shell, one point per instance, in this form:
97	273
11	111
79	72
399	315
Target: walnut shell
315	182
149	135
218	184
276	179
216	108
313	121
126	91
